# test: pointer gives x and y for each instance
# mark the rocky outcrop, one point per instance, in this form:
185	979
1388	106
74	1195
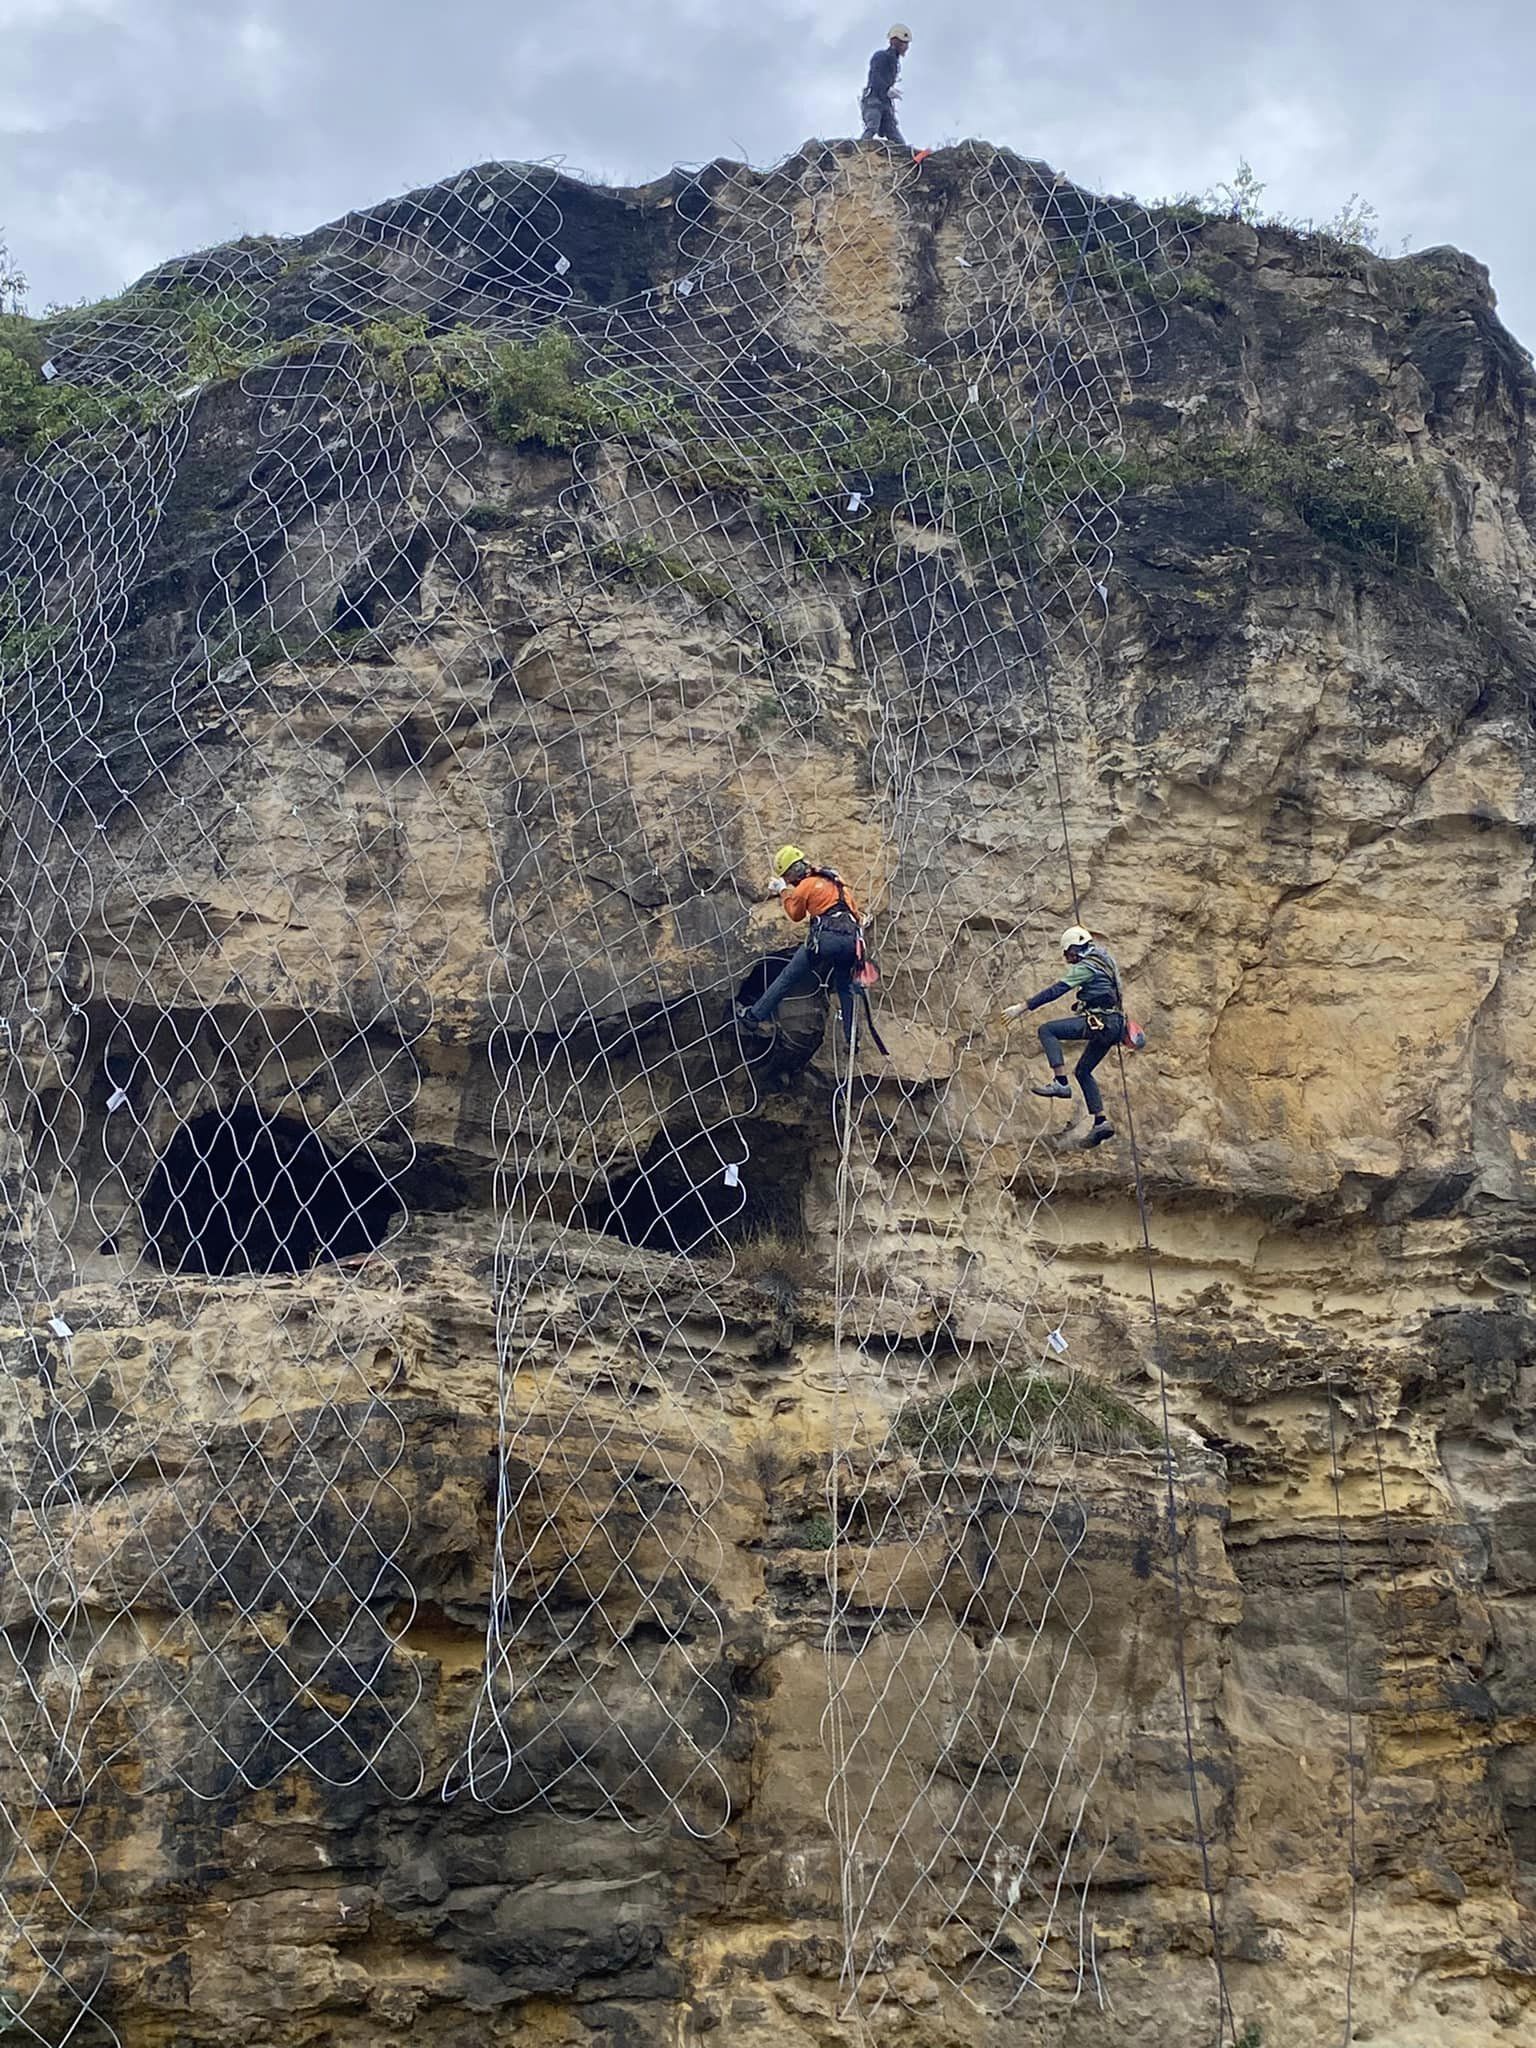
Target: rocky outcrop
410	862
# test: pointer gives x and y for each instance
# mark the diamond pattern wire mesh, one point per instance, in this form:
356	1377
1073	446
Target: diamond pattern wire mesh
960	1680
754	533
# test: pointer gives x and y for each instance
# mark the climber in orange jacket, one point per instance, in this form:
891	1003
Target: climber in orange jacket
832	949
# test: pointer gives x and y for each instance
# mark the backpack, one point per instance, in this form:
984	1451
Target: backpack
1106	984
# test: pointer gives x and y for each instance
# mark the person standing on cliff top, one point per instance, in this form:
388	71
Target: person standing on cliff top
1093	978
881	93
834	950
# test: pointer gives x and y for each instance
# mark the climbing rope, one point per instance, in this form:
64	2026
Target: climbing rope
1351	1760
1225	2019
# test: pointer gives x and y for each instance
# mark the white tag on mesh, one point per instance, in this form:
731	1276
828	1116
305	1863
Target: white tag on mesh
1057	1342
118	1099
685	287
562	266
733	1177
59	1327
856	501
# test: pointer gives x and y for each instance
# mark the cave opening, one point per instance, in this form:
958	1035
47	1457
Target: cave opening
236	1191
763	974
799	1023
697	1195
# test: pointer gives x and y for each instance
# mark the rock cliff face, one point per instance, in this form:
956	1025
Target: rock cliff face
447	1358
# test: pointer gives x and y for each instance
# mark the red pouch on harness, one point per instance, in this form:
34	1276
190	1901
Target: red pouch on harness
866	974
1134	1037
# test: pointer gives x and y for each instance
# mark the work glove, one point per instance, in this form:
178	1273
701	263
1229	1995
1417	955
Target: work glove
777	886
1015	1010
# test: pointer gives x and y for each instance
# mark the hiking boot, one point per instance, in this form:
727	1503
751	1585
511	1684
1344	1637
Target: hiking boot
1101	1133
745	1019
1059	1091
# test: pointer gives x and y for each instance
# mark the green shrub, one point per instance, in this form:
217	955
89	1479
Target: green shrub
533	395
487	516
656	568
211	352
18	399
1023	1407
1196	289
1345	493
1115	273
1353	498
994	487
23	644
21	385
394	348
816	1532
765	714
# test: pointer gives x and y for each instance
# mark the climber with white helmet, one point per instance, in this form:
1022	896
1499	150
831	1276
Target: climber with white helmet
834	949
1092	977
881	93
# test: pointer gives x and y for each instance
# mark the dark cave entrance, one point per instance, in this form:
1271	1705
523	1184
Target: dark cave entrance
239	1192
697	1195
762	977
799	1024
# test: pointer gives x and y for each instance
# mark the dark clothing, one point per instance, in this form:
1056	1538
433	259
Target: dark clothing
884	68
877	106
1073	1030
880	121
833	961
1093	979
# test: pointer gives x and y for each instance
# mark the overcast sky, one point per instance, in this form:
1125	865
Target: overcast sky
133	130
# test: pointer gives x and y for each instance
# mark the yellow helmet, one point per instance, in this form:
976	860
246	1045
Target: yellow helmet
785	859
900	33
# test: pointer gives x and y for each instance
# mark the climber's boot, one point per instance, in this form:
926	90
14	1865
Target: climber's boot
1060	1090
745	1019
1103	1130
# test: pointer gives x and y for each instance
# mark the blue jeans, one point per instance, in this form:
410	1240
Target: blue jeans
1100	1045
834	962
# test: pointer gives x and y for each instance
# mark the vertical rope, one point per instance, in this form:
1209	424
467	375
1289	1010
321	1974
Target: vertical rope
1349	1713
1224	2016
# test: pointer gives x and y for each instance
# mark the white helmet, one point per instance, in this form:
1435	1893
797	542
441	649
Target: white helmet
1075	937
900	33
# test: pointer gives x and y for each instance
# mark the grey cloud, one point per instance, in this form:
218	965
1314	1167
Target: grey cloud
131	130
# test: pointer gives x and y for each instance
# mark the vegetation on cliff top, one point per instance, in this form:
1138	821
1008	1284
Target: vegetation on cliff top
1346	493
893	443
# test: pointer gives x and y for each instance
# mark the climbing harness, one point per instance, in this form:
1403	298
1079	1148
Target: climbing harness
842	922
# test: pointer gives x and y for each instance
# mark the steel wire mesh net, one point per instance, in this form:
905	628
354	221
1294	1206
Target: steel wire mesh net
415	642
